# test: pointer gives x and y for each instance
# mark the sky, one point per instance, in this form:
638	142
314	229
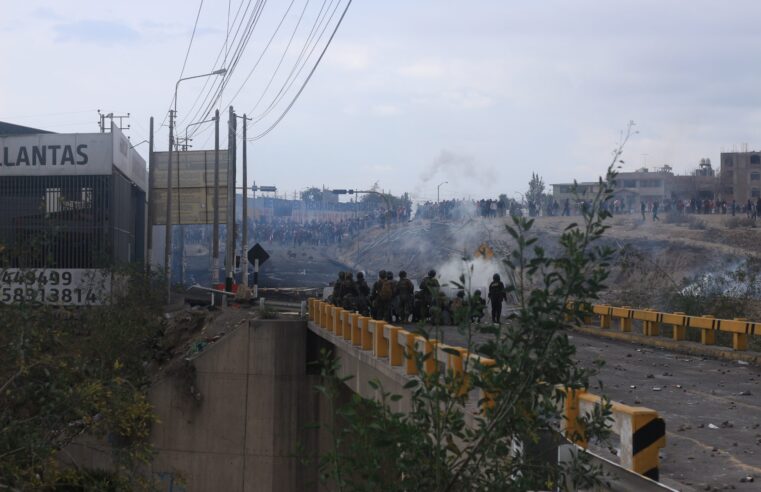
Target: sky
409	95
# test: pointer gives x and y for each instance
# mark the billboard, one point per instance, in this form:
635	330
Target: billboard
192	187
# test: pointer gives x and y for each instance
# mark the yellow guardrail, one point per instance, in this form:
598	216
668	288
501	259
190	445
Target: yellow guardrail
652	321
641	432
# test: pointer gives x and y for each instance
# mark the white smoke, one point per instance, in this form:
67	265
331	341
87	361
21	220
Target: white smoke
458	167
478	274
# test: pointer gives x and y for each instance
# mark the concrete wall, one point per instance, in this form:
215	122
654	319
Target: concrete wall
243	435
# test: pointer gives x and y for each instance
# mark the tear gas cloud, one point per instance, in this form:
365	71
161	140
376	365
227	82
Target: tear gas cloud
477	271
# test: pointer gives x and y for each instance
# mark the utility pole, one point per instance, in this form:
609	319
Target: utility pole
151	198
215	227
230	243
244	245
168	225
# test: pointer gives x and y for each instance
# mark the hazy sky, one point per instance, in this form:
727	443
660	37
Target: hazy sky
411	93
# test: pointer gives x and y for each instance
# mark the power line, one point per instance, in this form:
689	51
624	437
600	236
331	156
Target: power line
264	51
285	52
187	54
306	81
301	61
222	51
318	24
234	60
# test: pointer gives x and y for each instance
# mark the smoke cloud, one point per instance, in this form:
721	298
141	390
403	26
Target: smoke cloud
478	274
458	166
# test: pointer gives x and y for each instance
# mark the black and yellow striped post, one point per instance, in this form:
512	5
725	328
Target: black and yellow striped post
648	436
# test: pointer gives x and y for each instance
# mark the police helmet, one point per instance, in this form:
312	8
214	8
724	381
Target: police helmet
496	277
432	273
402	274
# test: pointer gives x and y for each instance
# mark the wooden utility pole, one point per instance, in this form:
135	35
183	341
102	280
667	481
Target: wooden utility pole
244	245
230	229
215	227
168	224
151	198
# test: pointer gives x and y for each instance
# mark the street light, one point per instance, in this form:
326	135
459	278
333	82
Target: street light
168	226
194	124
437	190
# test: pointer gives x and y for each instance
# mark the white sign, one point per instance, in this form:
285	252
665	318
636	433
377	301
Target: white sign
50	154
55	286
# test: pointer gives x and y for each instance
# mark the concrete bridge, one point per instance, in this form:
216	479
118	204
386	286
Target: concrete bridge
697	372
256	401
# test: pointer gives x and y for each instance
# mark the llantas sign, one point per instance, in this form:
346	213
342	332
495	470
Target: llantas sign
45	155
49	154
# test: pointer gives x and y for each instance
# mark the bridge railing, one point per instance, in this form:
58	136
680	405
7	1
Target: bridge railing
641	432
652	321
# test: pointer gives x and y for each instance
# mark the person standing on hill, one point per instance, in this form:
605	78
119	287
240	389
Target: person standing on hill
642	209
497	294
655	211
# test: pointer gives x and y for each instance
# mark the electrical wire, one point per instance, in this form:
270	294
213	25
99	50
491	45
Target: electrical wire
285	52
266	47
300	63
234	60
216	81
187	54
306	81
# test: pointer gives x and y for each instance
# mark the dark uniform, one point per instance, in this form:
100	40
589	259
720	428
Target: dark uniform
393	304
497	294
338	290
477	305
363	291
405	292
428	286
375	292
349	291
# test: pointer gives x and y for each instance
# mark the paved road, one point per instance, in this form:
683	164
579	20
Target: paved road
692	394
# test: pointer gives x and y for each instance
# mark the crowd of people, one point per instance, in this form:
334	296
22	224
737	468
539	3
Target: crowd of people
313	233
398	301
461	209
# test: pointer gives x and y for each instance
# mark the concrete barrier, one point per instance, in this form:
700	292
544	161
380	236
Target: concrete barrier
740	328
641	432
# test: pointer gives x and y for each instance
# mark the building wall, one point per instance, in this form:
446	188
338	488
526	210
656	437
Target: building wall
741	176
633	187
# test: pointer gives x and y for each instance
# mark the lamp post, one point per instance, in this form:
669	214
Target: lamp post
168	232
438	188
188	139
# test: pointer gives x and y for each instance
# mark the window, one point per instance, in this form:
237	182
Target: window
755	193
650	183
728	161
754	176
755	159
630	183
729	190
728	174
53	200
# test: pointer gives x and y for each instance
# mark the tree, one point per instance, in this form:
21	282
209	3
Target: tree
535	194
433	447
312	195
71	372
